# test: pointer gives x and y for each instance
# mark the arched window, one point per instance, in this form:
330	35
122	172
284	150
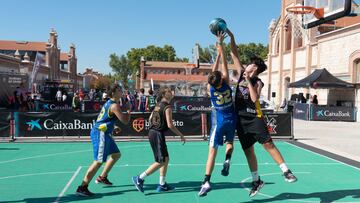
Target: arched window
298	42
288	35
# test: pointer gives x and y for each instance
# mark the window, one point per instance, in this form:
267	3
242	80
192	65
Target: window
64	66
288	35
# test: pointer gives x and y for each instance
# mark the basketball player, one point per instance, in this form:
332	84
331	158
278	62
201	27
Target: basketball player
150	101
160	121
221	99
251	127
103	143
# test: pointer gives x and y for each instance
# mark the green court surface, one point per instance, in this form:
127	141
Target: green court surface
51	172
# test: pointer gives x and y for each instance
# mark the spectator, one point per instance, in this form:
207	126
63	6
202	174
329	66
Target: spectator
314	100
30	102
16	101
99	95
104	96
91	95
81	95
142	101
58	95
76	103
64	97
131	98
302	98
150	101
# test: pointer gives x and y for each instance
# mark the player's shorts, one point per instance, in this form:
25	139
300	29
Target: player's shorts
158	145
221	127
103	145
252	129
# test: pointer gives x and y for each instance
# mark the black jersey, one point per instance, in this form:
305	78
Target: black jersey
158	118
243	102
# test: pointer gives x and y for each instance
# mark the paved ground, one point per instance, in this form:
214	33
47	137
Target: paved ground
342	138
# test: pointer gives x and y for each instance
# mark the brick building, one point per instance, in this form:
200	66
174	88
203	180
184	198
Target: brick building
19	57
331	46
182	78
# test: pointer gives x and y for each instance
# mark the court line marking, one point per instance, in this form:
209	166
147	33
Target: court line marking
35	174
318	154
269	196
62	153
42	156
68	184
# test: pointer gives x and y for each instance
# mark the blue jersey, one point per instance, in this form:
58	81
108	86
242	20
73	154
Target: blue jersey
222	101
104	121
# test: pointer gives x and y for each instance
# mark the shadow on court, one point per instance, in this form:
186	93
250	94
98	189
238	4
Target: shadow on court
68	198
194	186
329	196
9	148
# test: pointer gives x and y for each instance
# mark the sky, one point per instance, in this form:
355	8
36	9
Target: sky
100	28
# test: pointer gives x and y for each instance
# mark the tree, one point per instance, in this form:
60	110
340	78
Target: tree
151	53
102	82
121	67
246	51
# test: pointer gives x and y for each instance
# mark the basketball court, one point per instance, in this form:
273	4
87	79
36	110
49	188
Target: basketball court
51	172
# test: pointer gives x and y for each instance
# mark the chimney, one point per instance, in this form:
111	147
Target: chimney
17	54
26	58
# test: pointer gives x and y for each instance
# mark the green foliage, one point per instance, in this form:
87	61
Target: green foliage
208	54
120	65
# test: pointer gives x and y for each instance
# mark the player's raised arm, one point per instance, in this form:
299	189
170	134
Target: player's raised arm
225	70
234	52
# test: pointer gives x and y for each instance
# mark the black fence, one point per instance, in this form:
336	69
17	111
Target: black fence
324	113
66	124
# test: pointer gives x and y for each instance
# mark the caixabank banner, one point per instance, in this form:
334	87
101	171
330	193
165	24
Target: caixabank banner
45	124
325	113
191	104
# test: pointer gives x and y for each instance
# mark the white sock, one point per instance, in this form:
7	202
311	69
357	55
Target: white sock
143	176
162	180
283	167
255	175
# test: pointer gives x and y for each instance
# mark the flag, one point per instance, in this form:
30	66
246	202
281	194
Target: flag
39	60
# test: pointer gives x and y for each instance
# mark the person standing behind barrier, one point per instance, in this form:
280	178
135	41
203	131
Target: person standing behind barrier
314	100
103	144
251	127
160	121
150	101
223	116
58	95
131	98
76	102
142	101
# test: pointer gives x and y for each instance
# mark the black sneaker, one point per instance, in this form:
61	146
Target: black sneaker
289	176
103	180
226	167
256	186
84	191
